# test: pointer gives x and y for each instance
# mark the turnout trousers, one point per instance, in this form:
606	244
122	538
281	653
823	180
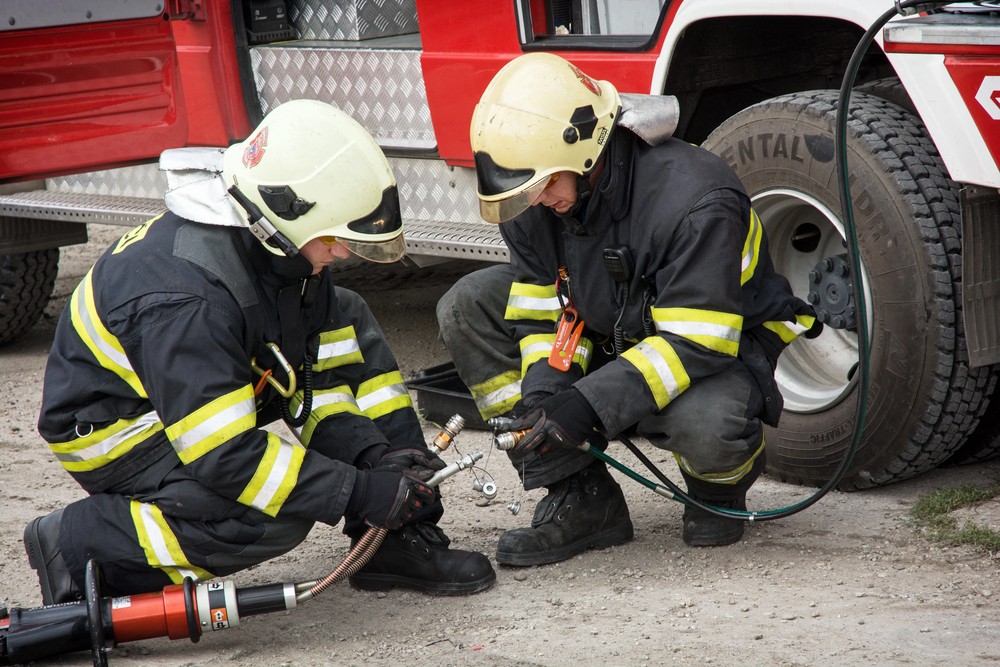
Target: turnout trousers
714	428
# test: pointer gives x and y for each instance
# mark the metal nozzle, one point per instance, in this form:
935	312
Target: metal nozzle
466	461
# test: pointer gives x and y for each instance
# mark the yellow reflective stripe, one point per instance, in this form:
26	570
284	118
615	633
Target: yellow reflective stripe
539	346
532	302
275	477
535	348
660	367
709	328
160	545
751	248
105	347
338	348
789	331
213	424
105	445
497	395
729	477
383	394
326	402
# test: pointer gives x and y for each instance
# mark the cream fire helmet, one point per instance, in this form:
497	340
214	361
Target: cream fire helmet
314	171
540	115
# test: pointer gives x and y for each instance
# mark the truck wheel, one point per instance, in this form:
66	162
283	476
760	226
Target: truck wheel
889	89
924	398
26	283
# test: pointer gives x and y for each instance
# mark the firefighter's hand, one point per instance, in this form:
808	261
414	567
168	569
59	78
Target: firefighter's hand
423	462
565	419
386	498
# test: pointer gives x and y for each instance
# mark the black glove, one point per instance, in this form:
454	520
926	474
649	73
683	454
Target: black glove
423	462
565	419
390	499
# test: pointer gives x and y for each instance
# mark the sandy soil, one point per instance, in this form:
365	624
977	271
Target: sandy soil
845	582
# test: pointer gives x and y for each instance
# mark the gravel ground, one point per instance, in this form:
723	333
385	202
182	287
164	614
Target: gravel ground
846	582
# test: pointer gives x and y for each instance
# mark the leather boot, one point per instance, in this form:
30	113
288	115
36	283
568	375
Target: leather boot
584	511
704	529
41	542
417	556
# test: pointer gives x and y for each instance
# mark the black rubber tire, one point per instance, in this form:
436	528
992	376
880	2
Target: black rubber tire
889	89
924	399
26	283
983	444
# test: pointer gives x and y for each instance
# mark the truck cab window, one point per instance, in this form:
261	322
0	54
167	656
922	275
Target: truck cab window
574	23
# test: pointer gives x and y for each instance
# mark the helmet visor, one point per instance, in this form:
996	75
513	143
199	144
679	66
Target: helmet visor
380	252
497	210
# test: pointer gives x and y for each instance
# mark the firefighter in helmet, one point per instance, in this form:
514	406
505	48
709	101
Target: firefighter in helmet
193	332
639	297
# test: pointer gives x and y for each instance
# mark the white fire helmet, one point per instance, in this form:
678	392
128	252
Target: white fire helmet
313	171
540	115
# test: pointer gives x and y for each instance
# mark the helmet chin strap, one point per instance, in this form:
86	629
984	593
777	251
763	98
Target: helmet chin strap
261	227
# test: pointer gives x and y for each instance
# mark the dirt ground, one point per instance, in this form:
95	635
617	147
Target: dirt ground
845	582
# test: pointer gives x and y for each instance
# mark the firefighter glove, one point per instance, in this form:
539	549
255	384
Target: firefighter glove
390	499
421	461
565	419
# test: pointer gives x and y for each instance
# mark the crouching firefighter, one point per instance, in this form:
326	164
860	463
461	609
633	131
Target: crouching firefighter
194	331
640	297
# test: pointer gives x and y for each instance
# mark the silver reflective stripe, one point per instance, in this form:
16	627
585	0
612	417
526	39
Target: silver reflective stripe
682	328
213	425
505	393
661	367
340	348
541	348
534	303
275	476
104	447
158	542
368	401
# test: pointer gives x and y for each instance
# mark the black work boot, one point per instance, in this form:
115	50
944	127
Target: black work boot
41	542
704	529
586	510
417	556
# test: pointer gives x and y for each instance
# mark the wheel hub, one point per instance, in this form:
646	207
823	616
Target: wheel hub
831	293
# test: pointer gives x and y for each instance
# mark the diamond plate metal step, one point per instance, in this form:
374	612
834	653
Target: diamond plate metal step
424	238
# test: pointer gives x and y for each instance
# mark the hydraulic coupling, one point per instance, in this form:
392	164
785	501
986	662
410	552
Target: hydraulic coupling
504	439
448	434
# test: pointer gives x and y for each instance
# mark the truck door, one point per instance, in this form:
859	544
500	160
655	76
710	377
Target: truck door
86	85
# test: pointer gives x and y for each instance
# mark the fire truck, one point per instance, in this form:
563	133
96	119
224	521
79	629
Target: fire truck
92	93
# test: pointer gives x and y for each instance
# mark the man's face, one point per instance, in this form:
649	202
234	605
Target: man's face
324	251
560	195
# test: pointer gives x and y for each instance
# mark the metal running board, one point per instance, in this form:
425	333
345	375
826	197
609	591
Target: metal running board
430	238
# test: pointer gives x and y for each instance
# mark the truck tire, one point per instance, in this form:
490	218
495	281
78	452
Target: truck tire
26	283
983	443
889	89
924	399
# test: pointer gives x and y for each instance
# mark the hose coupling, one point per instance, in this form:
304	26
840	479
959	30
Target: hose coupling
448	434
499	423
507	441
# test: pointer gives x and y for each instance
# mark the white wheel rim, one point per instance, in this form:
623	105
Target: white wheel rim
813	375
